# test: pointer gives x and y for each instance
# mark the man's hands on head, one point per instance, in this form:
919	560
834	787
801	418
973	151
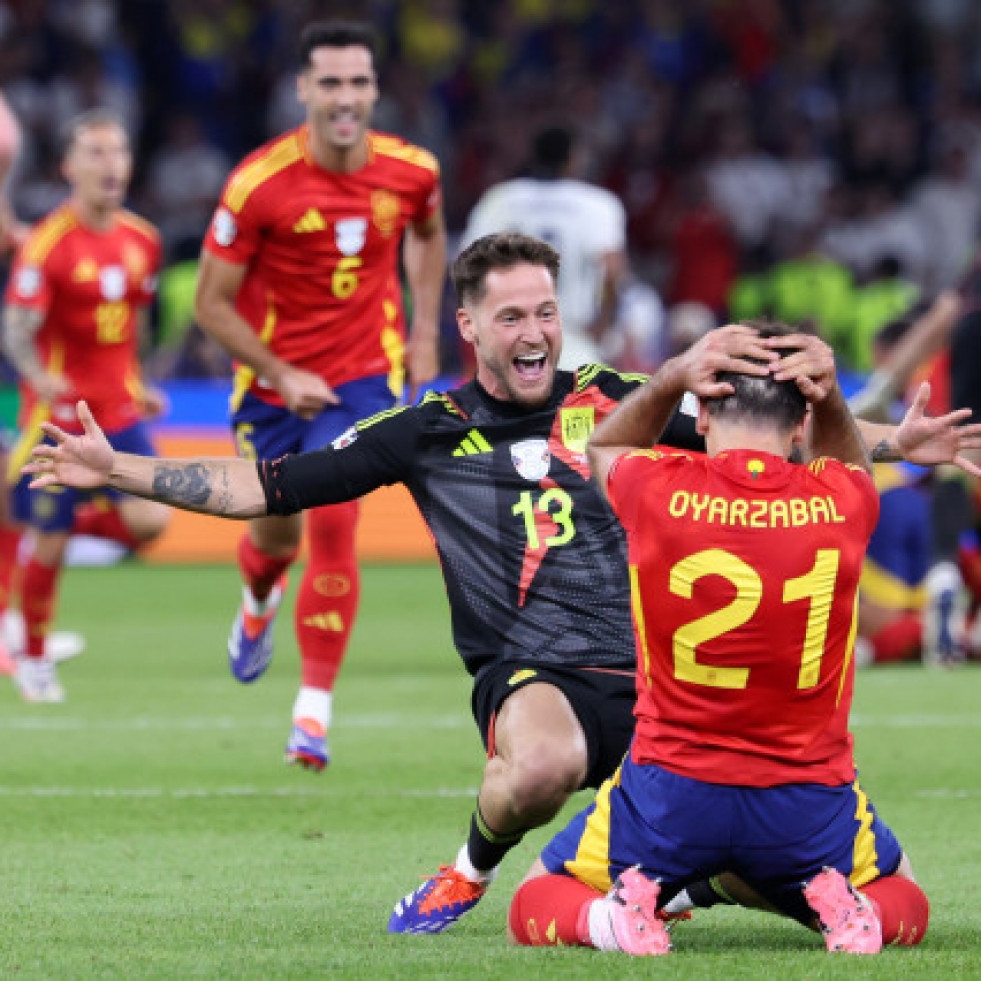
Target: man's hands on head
734	347
808	361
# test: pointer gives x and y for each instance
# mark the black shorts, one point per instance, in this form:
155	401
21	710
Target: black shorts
602	698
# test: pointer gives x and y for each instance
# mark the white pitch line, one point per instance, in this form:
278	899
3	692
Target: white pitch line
138	793
59	723
945	793
860	721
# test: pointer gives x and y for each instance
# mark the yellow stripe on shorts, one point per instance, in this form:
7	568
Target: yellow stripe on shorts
592	862
865	858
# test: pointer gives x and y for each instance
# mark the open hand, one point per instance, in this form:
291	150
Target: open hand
83	462
929	441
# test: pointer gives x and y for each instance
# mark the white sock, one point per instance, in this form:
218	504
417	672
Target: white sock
600	923
680	903
464	865
256	607
314	703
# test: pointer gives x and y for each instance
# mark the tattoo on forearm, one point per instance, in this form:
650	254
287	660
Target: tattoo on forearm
885	452
20	330
189	485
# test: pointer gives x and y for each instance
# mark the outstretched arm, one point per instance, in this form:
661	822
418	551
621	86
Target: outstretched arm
919	438
925	440
228	488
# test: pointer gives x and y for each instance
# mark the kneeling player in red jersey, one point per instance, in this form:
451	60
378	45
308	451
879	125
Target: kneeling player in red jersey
744	570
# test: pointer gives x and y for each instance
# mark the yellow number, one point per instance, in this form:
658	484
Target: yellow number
110	322
818	586
345	280
749	590
562	516
243	441
525	508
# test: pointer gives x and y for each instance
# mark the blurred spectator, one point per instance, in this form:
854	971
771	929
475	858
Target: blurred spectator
886	295
947	205
186	176
866	113
747	184
703	249
585	223
810	285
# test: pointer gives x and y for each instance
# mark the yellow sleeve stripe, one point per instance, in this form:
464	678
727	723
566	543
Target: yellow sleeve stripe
278	157
46	236
587	374
448	403
141	225
381	416
391	146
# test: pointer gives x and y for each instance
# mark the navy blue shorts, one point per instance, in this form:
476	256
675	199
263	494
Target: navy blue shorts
52	509
265	432
681	830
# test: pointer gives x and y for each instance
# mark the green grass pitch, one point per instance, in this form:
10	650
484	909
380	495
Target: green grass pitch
150	829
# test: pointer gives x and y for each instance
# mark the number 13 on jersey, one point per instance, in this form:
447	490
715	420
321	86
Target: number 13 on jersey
553	508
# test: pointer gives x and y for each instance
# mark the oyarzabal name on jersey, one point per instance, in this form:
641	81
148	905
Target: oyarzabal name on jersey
792	513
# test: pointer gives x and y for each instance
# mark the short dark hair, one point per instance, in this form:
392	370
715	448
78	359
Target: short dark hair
90	119
761	398
336	34
500	250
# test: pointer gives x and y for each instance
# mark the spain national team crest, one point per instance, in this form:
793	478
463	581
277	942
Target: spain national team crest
349	234
384	211
531	458
577	425
112	283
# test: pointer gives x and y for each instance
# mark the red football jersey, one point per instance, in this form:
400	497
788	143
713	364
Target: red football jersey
321	249
90	287
744	569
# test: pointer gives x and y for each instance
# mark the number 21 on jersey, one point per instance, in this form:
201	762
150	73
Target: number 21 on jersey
815	586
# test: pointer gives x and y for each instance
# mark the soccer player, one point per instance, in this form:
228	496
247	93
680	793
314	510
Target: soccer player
744	568
299	282
533	559
584	223
75	302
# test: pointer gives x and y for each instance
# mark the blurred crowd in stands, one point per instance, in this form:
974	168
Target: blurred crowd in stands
818	160
755	144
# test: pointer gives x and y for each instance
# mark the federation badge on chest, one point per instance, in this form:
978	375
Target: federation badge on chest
384	211
531	458
349	234
577	425
112	283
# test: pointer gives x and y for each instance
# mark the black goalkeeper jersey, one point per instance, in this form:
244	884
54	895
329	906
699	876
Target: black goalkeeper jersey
533	558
